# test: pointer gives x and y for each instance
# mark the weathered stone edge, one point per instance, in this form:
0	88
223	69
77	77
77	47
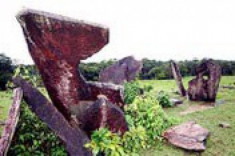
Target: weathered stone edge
13	117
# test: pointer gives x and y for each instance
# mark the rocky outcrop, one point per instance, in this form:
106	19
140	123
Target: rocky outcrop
178	78
189	136
11	122
124	70
205	86
72	136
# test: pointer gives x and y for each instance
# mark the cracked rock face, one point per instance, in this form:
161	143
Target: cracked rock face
102	114
57	44
123	71
205	86
189	136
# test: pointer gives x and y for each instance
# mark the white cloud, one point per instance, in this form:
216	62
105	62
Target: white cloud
157	29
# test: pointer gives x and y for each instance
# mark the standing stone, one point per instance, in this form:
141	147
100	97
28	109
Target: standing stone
178	78
124	70
57	44
205	86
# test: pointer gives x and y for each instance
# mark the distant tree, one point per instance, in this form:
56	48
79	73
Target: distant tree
91	70
6	70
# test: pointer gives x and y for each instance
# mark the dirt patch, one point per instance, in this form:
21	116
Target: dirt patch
196	108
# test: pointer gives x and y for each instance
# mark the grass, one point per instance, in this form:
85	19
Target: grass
5	103
221	141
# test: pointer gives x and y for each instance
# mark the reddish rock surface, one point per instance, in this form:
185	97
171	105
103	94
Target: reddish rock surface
205	86
11	122
103	114
90	90
73	137
124	70
189	136
57	44
178	78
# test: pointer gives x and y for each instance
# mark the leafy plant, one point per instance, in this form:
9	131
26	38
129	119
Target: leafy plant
106	142
145	111
164	99
111	144
28	74
132	89
134	140
33	137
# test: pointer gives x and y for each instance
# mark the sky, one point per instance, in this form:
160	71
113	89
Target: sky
154	29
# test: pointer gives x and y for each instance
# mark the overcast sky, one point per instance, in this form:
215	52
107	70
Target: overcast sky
156	29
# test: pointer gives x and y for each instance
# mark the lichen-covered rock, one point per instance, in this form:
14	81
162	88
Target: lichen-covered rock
124	70
189	136
102	114
205	86
57	44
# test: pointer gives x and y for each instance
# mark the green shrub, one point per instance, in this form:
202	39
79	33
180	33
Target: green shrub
106	142
134	140
111	144
145	111
164	99
33	137
146	120
131	90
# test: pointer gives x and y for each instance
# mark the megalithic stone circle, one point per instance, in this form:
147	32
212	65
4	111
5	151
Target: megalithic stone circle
57	44
178	78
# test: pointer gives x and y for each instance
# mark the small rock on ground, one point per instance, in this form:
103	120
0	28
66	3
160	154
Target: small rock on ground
189	136
224	125
176	101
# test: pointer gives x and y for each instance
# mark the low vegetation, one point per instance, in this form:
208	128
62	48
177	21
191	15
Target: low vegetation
5	104
33	137
146	120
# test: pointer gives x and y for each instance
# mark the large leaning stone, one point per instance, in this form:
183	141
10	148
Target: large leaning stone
205	86
178	78
57	44
124	70
189	136
72	136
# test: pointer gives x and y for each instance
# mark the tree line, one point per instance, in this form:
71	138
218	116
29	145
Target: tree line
152	69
